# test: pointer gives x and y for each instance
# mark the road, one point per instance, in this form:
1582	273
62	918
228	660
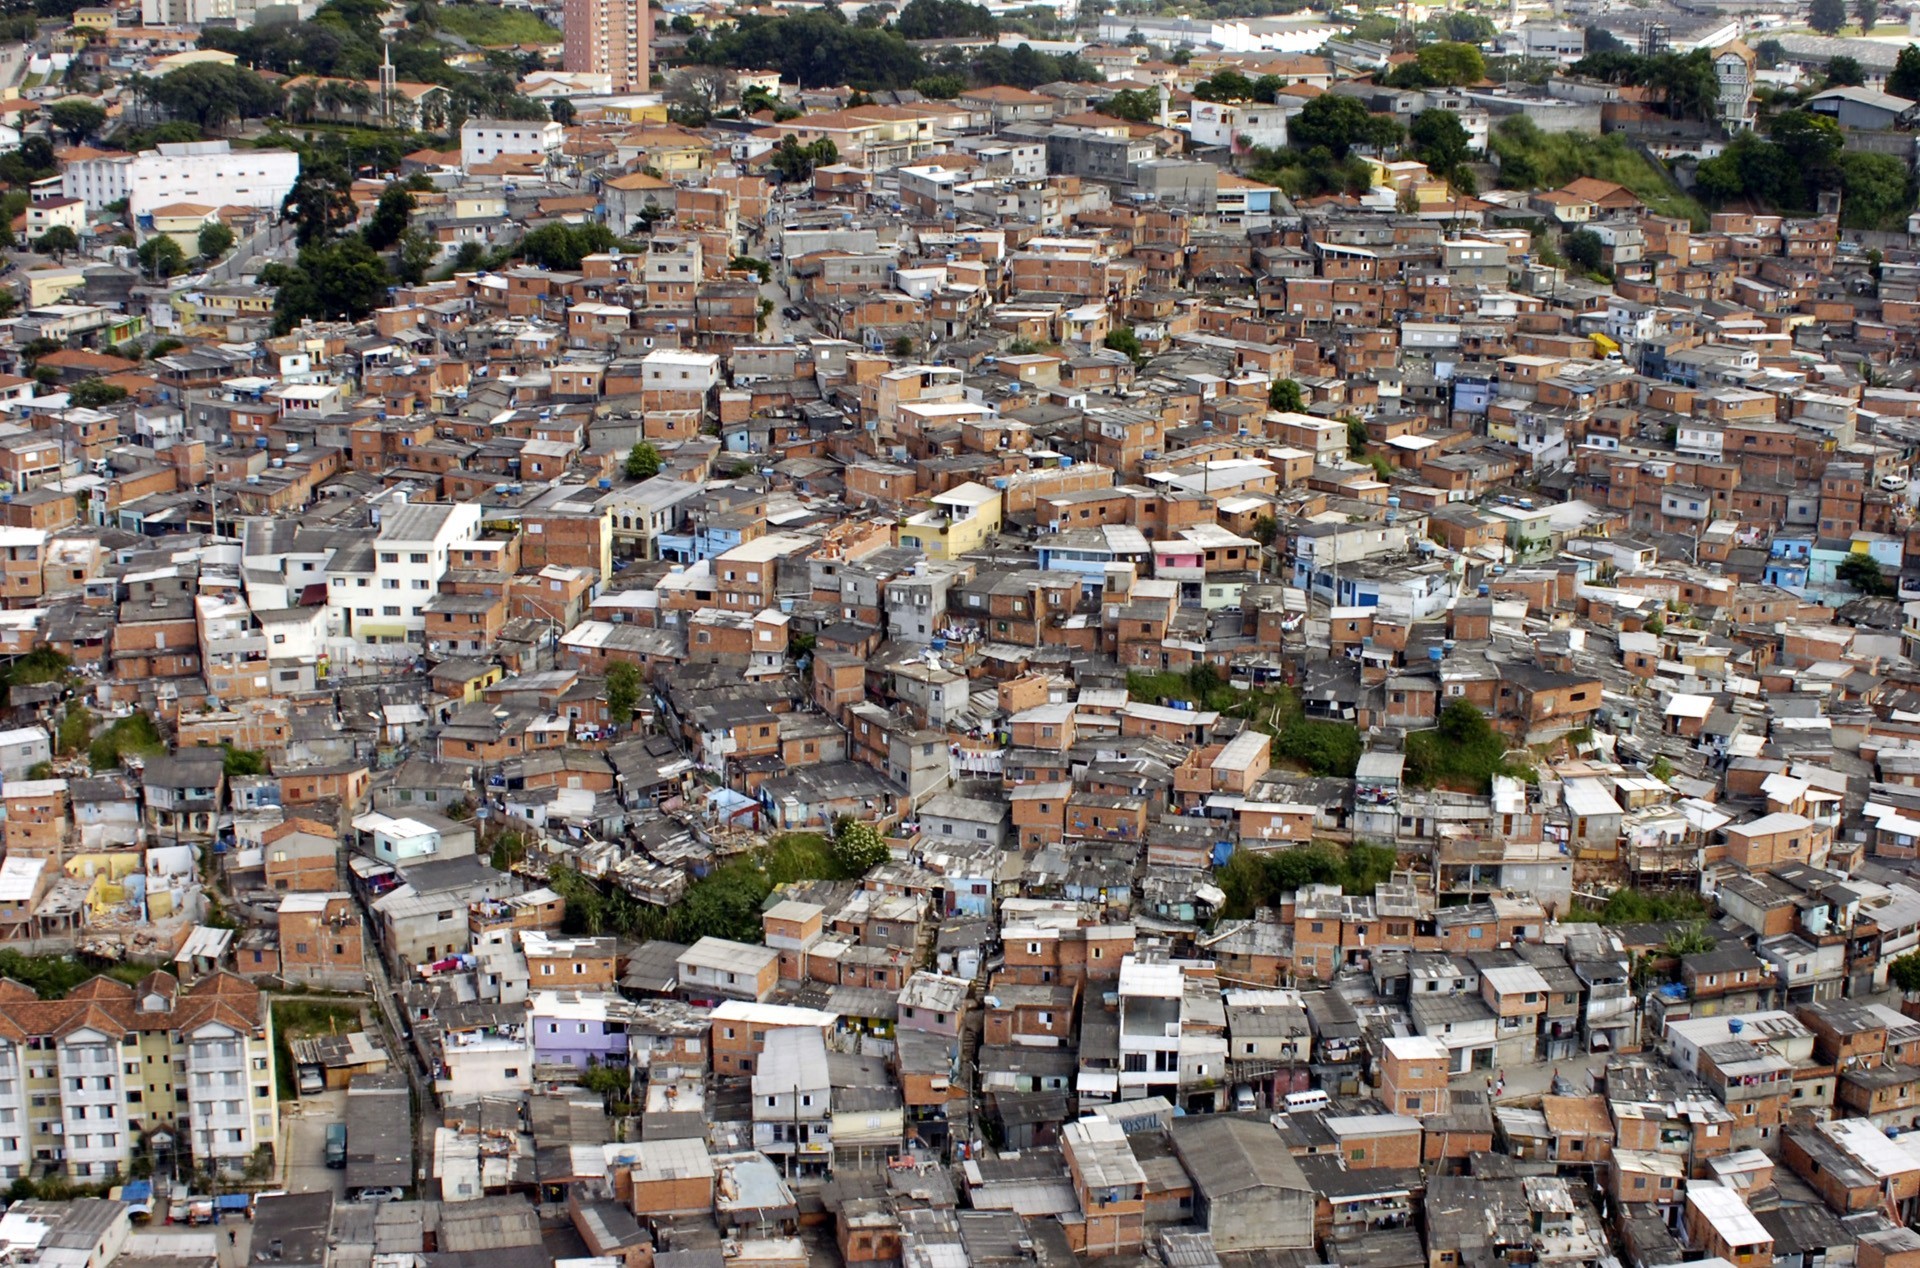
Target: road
778	327
250	254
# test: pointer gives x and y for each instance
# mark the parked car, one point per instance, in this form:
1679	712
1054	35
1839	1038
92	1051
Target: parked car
377	1195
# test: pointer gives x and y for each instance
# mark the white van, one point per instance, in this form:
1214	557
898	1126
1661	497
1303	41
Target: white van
1301	1102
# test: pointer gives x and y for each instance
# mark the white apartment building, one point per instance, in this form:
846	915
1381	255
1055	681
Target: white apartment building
484	140
210	172
793	1100
231	1086
380	594
665	370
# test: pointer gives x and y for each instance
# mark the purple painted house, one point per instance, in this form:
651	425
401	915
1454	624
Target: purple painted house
577	1030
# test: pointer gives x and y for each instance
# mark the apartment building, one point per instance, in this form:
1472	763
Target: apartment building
381	595
609	37
82	1078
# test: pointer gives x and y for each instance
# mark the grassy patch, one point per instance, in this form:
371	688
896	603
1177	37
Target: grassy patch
1202	687
1253	880
1532	159
1463	753
1320	748
488	24
725	903
134	734
803	856
303	1019
1638	907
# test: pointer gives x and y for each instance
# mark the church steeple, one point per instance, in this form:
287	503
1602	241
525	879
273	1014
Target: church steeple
389	82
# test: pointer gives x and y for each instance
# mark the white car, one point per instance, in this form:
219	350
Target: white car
377	1195
1894	482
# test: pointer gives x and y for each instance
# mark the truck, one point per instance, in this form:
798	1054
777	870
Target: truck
337	1145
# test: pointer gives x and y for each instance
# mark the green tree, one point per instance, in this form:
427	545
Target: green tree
1692	940
94	392
858	846
1440	141
901	347
608	1082
57	242
390	217
1449	64
1828	16
329	281
1467	28
795	161
945	20
1135	105
161	256
1224	85
1285	395
643	461
1845	72
1123	339
210	94
1862	572
748	264
1812	145
1356	437
78	117
1340	123
1904	973
1377	27
623	692
561	247
417	253
813	49
1584	249
1904	79
320	202
563	112
1770	53
936	87
1878	191
215	240
1866	13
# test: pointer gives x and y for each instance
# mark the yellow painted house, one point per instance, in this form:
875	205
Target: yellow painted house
213	309
46	286
959	522
183	222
